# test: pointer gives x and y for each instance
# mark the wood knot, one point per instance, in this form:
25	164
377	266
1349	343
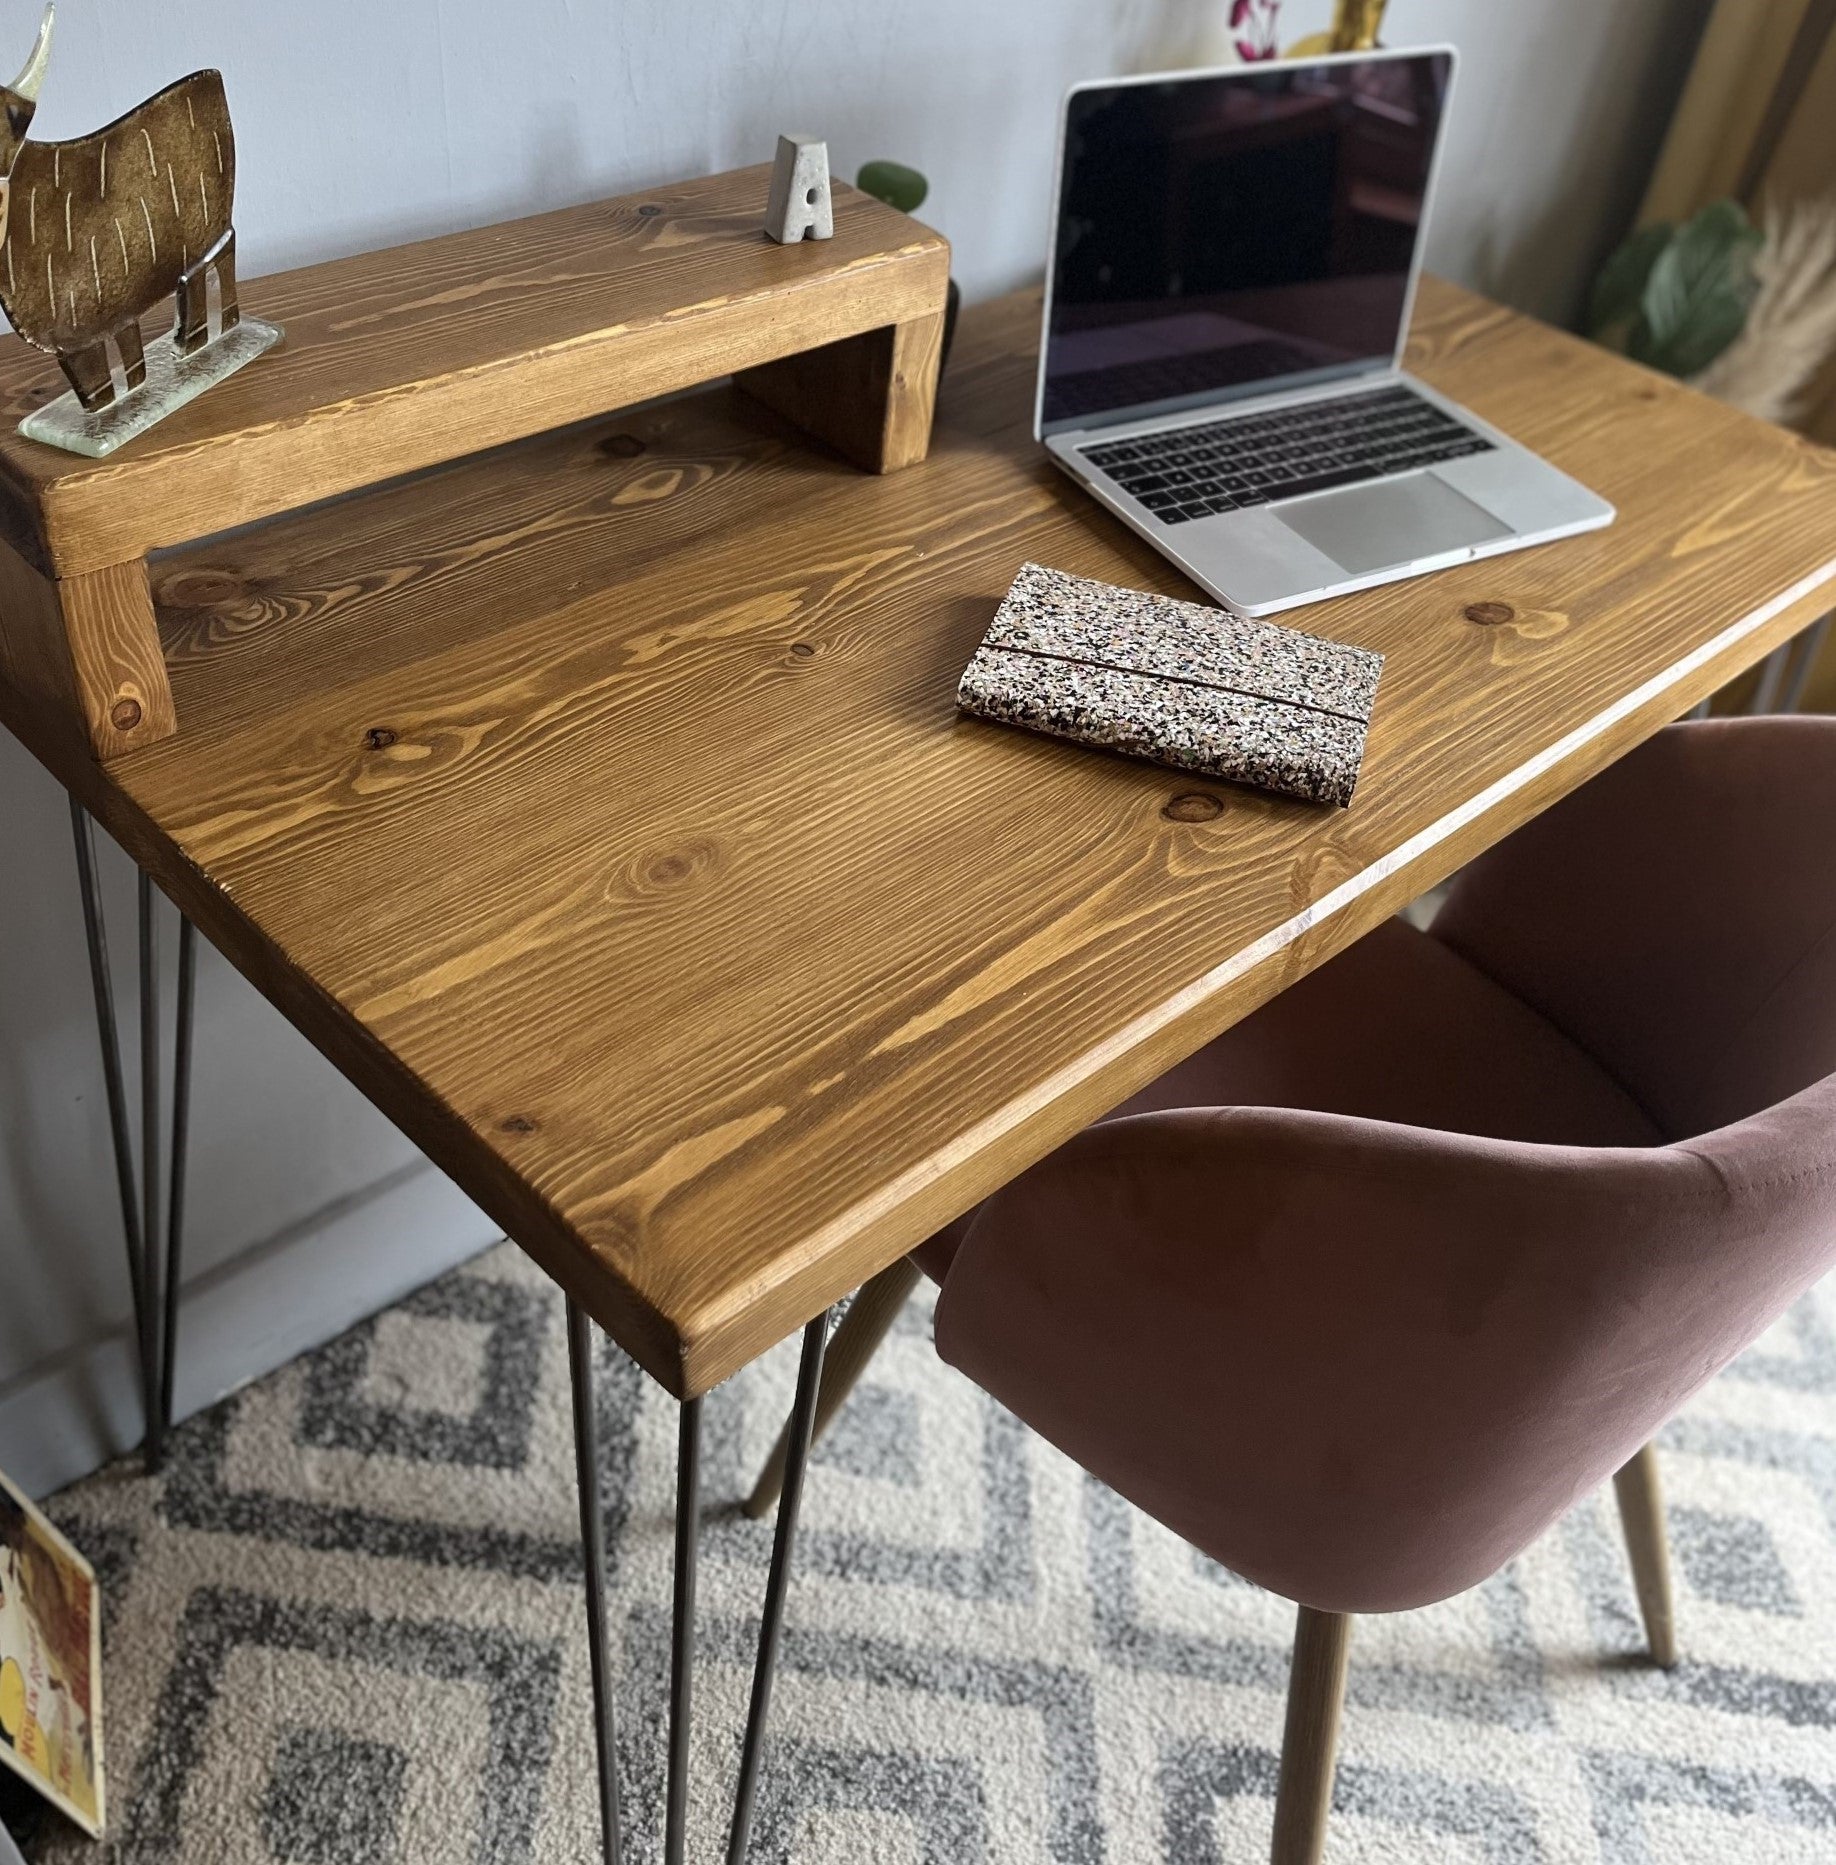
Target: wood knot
517	1123
379	738
124	714
649	211
803	649
1194	806
201	589
1490	614
621	446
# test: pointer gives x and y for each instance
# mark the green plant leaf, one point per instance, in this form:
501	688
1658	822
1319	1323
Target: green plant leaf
1715	319
895	184
1695	300
1615	298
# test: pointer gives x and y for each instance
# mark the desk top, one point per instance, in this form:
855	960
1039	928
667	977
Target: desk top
600	807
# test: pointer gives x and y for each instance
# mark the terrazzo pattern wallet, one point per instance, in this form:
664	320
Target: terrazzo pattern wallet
1177	683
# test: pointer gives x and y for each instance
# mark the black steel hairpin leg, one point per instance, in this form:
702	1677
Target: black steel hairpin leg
151	1308
777	1585
153	1271
181	1139
593	1538
1808	655
682	1632
102	985
682	1635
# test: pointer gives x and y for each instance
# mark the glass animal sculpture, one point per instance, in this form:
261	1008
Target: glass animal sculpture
96	232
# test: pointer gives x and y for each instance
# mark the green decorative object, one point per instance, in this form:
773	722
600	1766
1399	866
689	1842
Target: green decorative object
1675	297
895	184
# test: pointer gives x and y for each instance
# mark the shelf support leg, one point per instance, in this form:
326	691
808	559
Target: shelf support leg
116	664
869	397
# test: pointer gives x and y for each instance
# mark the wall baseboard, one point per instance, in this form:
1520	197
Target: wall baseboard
61	1420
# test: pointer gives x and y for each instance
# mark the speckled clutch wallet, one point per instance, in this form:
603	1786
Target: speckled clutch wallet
1177	683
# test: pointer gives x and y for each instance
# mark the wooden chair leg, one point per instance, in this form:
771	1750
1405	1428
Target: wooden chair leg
1310	1743
1641	1511
863	1327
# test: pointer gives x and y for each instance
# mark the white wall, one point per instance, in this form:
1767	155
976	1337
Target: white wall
364	123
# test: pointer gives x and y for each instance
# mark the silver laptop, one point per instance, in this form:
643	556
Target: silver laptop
1232	270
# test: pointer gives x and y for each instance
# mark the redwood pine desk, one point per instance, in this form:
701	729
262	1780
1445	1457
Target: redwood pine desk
598	805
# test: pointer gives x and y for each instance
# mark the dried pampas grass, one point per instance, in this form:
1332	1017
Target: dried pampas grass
1791	329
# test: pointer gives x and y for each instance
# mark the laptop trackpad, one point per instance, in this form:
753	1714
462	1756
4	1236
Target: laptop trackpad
1367	528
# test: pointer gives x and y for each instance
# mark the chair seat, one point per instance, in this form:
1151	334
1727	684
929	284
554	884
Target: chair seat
1397	1028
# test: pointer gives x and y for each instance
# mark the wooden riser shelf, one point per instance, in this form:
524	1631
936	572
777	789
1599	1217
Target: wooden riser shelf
405	359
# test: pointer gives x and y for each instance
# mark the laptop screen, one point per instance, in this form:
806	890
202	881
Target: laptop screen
1236	232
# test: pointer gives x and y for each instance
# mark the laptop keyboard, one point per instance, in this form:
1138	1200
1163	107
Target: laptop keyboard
1284	453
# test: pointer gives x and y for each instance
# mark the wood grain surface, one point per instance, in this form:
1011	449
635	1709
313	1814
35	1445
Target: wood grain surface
122	692
399	360
601	809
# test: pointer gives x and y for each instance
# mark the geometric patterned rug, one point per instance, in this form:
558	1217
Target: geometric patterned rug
346	1628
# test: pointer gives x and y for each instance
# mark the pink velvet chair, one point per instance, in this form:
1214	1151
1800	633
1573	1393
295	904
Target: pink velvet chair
1361	1298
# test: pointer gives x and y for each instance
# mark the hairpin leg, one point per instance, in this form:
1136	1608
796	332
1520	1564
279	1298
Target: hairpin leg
593	1540
682	1636
1809	652
150	1215
1765	697
153	1272
777	1585
181	1140
102	986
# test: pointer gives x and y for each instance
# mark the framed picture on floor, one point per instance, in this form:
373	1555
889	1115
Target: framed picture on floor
50	1663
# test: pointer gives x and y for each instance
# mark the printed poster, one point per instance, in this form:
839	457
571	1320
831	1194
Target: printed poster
50	1662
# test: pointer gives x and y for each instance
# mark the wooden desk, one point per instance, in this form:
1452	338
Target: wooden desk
602	812
599	805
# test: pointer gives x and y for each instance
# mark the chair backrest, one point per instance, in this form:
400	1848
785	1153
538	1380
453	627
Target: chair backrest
1676	918
1365	1365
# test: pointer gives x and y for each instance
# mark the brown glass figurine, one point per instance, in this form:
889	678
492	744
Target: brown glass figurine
94	233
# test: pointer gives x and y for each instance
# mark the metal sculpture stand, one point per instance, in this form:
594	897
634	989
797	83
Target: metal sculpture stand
154	1237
